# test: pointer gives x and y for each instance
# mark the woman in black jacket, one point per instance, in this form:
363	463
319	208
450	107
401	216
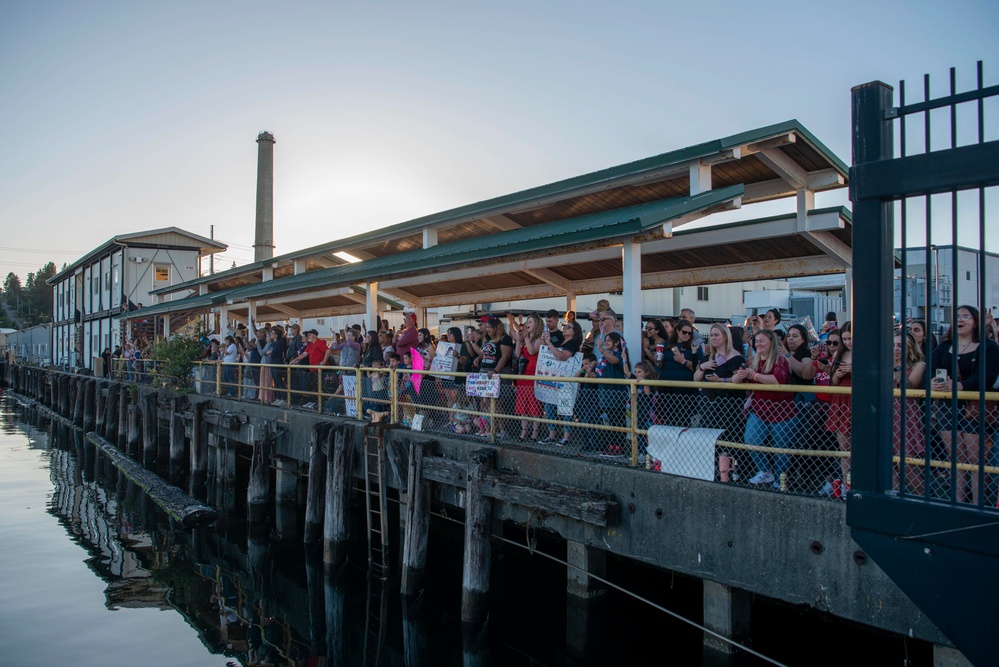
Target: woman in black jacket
680	360
958	359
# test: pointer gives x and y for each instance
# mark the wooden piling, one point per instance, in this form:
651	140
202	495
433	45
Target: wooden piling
317	486
65	395
123	398
258	491
99	401
132	435
478	537
111	416
150	428
78	400
338	474
176	438
89	387
199	443
414	550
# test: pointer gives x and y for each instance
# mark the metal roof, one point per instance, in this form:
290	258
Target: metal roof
764	160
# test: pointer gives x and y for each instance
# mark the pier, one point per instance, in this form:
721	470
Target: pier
739	542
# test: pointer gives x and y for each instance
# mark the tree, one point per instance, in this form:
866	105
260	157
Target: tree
12	287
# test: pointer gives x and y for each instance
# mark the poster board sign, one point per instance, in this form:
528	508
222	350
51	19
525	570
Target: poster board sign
480	384
417	378
561	394
444	359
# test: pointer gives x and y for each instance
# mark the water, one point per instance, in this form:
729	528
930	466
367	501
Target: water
92	573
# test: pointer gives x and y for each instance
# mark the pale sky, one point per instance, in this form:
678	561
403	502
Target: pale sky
125	116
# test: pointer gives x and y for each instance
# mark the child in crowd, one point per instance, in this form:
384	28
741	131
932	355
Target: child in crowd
379	388
461	421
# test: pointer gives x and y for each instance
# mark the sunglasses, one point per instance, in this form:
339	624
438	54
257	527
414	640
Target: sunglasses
686	332
834	343
606	319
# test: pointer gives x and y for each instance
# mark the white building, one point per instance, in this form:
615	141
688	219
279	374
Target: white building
90	295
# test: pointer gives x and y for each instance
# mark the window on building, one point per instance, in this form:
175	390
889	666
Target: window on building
702	293
319	323
967	275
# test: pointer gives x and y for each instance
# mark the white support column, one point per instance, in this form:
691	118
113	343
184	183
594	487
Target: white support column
429	237
677	301
251	312
268	273
421	314
700	178
570	302
299	266
223	322
632	297
166	326
203	289
848	296
372	305
806	202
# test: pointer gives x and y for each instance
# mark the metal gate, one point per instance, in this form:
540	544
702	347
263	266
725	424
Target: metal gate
923	501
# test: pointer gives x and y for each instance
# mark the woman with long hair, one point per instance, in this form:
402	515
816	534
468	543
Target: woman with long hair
721	409
497	357
839	416
654	342
971	353
771	414
909	373
680	360
528	344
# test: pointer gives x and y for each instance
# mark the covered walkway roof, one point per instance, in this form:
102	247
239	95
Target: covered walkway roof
566	238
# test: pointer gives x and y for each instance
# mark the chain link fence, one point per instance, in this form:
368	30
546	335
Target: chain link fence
786	438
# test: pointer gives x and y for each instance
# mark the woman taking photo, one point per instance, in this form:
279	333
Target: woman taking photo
679	362
771	414
528	344
572	337
839	414
971	353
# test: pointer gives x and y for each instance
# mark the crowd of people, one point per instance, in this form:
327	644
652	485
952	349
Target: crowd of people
759	352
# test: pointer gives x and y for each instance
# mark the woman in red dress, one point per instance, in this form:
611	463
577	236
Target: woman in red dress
528	344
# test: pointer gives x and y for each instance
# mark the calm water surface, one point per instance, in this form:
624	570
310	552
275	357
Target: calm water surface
92	574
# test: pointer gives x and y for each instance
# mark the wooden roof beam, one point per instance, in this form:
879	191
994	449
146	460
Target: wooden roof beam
408	297
550	277
774	142
784	167
487	296
831	246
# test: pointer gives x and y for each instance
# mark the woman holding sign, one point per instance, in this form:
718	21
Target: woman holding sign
572	337
497	353
528	344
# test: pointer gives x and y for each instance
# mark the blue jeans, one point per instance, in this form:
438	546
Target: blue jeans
781	435
552	415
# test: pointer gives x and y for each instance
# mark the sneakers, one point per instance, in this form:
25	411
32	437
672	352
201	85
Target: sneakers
309	406
279	403
547	440
762	477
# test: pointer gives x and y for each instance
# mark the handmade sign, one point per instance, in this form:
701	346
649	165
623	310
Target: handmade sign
480	384
562	394
445	359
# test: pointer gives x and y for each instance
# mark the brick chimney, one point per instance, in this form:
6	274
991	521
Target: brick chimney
263	243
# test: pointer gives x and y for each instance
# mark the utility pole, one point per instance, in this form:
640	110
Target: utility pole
211	256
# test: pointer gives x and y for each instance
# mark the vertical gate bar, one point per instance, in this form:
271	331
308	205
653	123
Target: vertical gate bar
873	247
982	277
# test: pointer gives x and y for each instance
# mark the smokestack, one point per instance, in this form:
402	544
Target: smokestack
263	243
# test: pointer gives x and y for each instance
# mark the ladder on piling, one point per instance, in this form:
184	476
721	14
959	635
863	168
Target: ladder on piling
376	612
376	502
